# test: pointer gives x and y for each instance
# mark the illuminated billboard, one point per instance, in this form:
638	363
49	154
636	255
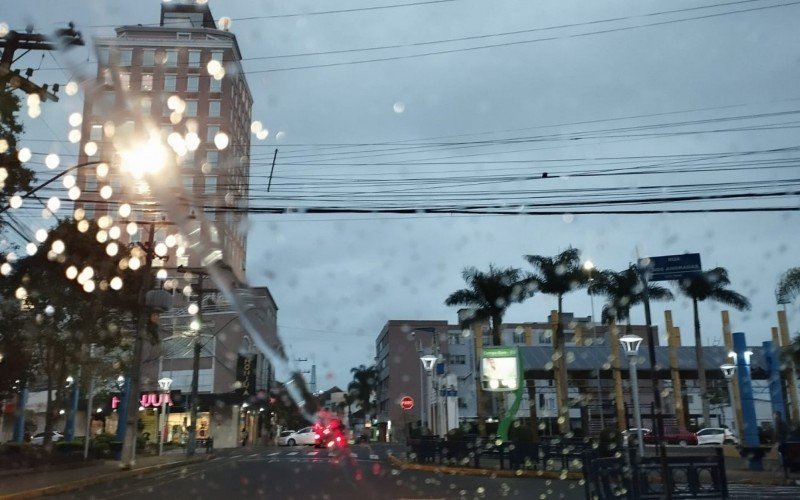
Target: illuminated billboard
500	369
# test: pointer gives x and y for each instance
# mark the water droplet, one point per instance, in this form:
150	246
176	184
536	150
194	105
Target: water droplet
102	170
75	119
106	192
213	66
58	246
15	201
24	155
256	127
71	88
41	235
568	218
31	248
115	232
52	160
53	204
74	193
20	293
124	210
262	134
3	29
3	146
399	107
83	225
90	148
116	282
68	181
112	249
221	140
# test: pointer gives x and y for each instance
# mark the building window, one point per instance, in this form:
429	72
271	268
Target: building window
145	105
212	158
213	130
456	359
88	211
148	57
125	80
147	82
519	336
184	36
215	85
194	58
192	83
217	55
191	107
102	56
171	58
213	108
125	57
188	183
91	183
96	133
170	83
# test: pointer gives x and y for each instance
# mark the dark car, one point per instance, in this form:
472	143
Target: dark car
680	437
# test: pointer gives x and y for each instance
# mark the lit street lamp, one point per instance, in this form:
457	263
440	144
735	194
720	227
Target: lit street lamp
728	370
631	345
428	362
164	384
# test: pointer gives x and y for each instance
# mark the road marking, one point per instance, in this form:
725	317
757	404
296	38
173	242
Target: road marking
254	455
273	454
292	453
312	453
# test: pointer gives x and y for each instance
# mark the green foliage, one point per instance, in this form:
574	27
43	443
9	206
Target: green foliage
363	386
19	177
489	295
457	434
623	290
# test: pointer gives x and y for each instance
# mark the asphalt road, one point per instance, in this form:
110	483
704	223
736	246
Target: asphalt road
361	473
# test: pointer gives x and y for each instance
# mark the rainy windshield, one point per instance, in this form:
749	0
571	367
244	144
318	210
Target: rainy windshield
405	249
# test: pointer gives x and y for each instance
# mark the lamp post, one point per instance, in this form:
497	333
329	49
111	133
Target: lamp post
728	370
428	362
164	384
69	427
631	345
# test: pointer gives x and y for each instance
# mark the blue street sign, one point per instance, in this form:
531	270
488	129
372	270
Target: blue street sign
672	267
450	393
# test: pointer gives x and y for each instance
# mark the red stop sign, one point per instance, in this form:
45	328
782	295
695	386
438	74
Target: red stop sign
407	403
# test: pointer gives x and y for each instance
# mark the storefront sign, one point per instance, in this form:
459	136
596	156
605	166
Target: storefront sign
148	399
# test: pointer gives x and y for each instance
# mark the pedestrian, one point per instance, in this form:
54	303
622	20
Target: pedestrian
244	436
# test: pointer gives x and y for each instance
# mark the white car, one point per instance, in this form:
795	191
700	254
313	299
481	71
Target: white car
717	436
305	436
283	438
38	438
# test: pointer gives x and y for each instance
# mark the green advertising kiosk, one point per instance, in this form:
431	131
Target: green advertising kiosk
501	371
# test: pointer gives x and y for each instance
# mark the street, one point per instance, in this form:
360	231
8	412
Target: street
303	472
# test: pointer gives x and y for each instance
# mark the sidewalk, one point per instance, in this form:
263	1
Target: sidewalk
49	482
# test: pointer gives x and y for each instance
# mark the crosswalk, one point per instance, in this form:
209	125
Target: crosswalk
753	492
360	455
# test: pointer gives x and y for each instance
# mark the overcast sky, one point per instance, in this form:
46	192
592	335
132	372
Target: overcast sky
465	92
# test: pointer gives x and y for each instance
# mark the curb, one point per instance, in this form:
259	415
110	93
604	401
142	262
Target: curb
467	471
81	483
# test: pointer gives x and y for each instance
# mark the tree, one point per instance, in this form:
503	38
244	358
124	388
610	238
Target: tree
489	295
623	290
14	176
709	285
558	276
60	313
788	286
363	386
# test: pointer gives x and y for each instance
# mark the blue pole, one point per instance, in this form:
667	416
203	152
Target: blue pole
775	387
19	422
69	427
750	425
122	415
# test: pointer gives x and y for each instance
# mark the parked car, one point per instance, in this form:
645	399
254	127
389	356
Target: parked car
680	437
283	438
38	438
717	436
305	436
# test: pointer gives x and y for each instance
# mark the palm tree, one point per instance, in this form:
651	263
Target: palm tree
361	389
622	290
558	276
489	295
788	286
711	285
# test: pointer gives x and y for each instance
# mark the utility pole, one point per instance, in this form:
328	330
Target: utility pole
89	404
33	41
191	444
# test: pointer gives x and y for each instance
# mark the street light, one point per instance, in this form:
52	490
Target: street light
428	362
728	370
631	345
164	384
